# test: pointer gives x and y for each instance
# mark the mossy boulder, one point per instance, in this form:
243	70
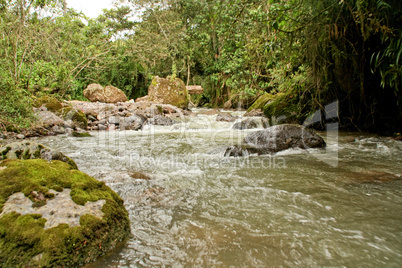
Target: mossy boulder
261	102
30	150
27	240
80	134
109	94
168	91
50	103
285	105
76	116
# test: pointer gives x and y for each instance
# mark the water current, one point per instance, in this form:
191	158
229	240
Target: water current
337	207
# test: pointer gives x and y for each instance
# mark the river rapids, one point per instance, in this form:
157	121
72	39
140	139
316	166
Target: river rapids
339	207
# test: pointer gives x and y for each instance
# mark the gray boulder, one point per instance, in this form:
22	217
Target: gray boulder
276	138
246	124
281	137
132	122
49	119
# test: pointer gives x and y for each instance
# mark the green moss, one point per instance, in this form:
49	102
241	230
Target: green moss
18	153
26	155
24	241
261	102
81	135
80	118
36	154
285	104
5	152
11	128
69	113
170	91
65	111
50	103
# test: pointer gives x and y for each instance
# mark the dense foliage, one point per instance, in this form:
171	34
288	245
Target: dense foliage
307	53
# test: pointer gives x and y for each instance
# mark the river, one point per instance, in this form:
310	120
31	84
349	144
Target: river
338	207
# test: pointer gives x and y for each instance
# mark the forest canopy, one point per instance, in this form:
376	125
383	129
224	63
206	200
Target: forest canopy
294	56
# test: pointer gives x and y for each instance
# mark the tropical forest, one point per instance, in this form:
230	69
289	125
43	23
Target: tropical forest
201	133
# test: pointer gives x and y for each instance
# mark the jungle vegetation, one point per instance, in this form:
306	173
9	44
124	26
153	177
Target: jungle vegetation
293	56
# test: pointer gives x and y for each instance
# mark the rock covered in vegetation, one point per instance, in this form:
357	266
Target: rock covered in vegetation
261	102
108	94
64	217
77	117
48	119
277	138
168	91
51	104
30	150
254	112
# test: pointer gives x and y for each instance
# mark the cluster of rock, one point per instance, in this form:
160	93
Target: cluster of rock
128	115
30	150
109	109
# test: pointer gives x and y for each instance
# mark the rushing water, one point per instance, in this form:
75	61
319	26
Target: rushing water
337	207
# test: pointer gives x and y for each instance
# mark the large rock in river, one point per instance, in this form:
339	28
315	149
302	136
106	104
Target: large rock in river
55	216
109	94
168	91
246	124
281	137
277	138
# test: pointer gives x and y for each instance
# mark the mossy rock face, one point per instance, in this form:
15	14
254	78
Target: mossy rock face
30	150
50	103
168	91
77	116
261	102
81	134
284	105
24	240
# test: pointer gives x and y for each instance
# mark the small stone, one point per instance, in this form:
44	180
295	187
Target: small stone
103	121
115	120
102	127
68	123
20	137
58	130
91	118
69	130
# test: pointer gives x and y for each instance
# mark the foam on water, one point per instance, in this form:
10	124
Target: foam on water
289	209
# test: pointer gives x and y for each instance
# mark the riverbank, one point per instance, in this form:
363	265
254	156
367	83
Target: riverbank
78	117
